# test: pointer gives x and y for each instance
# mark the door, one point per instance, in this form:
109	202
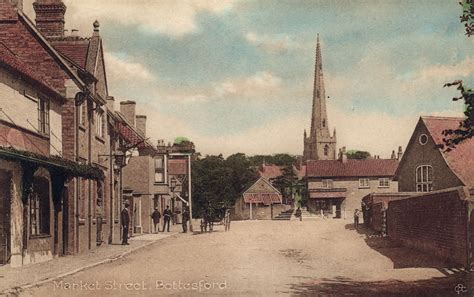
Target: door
5	180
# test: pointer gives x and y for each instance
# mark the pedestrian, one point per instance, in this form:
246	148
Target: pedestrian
356	218
125	220
166	218
155	216
184	220
227	219
298	213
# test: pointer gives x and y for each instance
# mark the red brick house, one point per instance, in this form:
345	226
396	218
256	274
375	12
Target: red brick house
337	186
37	85
427	167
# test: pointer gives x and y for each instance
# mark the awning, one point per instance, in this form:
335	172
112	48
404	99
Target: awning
265	198
327	194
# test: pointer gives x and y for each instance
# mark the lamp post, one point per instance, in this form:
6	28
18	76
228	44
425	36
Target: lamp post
172	186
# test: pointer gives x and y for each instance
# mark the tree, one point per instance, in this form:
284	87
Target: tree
359	155
277	159
286	182
465	129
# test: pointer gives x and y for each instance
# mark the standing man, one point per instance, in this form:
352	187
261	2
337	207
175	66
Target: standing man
185	219
155	216
356	218
227	219
166	218
125	219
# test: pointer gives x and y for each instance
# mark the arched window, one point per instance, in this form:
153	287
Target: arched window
424	178
324	123
326	150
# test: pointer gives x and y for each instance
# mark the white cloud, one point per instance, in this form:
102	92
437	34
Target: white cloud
259	85
271	44
120	70
168	17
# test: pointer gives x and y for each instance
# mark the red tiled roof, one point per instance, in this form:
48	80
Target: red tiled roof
274	171
131	136
351	168
76	51
8	59
177	166
459	159
265	198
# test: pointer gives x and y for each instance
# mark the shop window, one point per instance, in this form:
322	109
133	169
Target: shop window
39	207
424	178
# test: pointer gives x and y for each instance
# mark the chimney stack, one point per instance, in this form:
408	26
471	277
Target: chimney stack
110	103
127	108
400	153
50	17
343	155
141	124
393	155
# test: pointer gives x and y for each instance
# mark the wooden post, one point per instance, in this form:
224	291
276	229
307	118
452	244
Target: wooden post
251	216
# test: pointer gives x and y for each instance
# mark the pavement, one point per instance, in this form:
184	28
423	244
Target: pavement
268	258
14	280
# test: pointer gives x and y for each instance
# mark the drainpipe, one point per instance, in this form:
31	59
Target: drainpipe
111	194
89	161
77	184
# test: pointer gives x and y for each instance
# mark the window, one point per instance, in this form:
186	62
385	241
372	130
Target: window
39	207
423	139
424	178
384	183
324	123
82	113
43	116
99	123
327	183
326	150
364	183
159	169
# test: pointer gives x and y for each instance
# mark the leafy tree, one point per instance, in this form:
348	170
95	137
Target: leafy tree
359	155
218	182
465	129
277	159
286	183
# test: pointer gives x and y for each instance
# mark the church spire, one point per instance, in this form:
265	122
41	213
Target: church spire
320	145
319	122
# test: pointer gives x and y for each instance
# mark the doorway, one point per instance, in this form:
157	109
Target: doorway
5	198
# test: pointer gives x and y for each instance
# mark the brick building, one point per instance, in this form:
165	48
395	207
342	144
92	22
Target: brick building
37	84
145	177
337	186
426	166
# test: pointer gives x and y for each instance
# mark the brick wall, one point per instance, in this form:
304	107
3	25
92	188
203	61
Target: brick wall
376	220
434	222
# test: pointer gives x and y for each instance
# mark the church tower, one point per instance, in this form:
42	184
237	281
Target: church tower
319	145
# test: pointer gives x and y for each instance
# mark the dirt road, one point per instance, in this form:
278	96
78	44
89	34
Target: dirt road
266	258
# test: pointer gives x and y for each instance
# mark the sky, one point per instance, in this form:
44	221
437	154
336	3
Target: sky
237	75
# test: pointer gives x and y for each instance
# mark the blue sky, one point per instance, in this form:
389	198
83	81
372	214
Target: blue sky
236	76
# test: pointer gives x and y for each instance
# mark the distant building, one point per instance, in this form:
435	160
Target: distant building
427	167
319	145
260	201
337	186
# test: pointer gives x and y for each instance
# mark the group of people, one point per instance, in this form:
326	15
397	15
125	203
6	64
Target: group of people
155	216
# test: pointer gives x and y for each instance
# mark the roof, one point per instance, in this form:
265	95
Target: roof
384	198
130	134
74	49
262	191
352	168
8	59
460	159
274	171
